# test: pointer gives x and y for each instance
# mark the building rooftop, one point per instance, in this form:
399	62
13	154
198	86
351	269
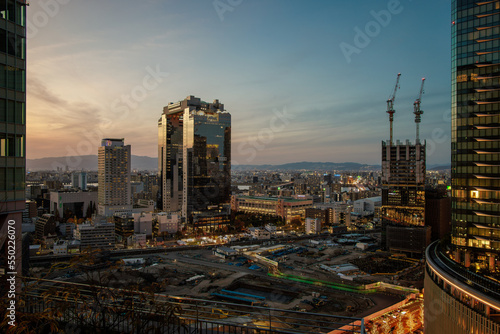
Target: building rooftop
286	199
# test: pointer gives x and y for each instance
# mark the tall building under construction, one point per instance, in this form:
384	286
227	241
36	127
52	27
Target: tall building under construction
403	191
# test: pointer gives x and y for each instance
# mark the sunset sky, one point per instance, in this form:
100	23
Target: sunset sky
106	68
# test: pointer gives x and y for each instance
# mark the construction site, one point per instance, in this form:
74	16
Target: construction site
316	276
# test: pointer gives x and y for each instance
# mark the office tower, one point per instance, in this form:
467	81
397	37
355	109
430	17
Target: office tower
475	155
194	158
114	192
462	290
79	180
12	127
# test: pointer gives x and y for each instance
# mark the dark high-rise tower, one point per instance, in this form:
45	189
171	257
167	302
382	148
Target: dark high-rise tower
475	142
12	125
194	156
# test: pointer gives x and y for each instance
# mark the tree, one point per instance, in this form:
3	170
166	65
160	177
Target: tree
102	305
88	214
296	223
57	215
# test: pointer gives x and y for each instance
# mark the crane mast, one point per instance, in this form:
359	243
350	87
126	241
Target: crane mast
417	111
390	106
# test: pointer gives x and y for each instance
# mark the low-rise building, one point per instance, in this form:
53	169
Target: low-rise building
288	208
71	203
270	228
60	247
313	225
259	233
225	252
366	206
143	223
95	236
324	214
45	225
137	240
168	222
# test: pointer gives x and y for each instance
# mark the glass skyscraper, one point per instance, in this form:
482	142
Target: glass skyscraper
12	123
194	158
476	134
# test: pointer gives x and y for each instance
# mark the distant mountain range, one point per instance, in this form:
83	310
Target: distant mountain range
306	165
89	162
438	167
85	162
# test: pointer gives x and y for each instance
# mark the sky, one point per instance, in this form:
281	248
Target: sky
303	80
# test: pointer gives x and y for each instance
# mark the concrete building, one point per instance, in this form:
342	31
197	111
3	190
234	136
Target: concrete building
31	210
313	225
210	221
95	236
259	233
124	226
45	225
194	157
325	215
366	206
137	240
270	228
71	203
60	247
12	128
114	192
67	229
143	223
79	180
168	222
287	208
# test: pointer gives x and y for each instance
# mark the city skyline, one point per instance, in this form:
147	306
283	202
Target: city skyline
305	77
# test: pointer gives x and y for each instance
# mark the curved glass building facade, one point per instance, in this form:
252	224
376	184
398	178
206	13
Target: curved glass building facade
476	134
462	286
457	300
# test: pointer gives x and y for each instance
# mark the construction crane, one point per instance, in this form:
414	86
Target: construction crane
417	111
390	105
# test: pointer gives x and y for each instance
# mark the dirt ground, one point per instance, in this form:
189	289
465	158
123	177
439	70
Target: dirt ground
199	274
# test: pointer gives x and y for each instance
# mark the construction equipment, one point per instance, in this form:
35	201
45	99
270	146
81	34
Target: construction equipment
390	105
417	111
